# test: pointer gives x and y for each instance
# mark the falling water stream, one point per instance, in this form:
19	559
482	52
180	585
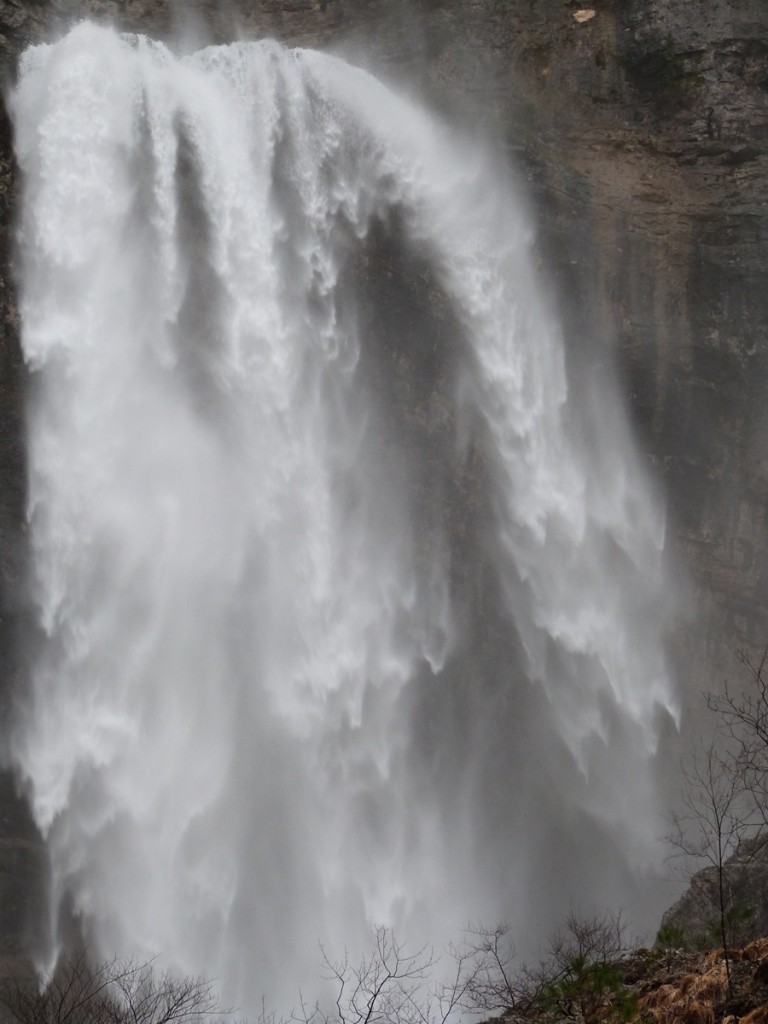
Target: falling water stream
351	609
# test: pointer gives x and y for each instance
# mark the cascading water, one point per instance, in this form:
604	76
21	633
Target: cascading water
313	657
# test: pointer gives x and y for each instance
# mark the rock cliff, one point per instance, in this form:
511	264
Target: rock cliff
640	131
696	915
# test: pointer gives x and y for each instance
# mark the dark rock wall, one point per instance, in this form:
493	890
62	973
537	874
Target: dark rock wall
643	133
641	136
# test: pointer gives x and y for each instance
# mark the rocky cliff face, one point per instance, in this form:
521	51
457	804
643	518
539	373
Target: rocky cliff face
696	917
640	129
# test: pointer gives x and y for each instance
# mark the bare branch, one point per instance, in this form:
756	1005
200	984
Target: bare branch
112	992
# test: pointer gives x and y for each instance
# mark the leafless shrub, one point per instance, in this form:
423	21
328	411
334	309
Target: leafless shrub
718	815
744	716
577	978
494	985
392	986
111	992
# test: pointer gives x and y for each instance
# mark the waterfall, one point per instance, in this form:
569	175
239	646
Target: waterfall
351	603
